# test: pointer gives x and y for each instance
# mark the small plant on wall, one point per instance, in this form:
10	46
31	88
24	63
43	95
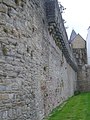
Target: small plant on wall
17	2
4	50
5	30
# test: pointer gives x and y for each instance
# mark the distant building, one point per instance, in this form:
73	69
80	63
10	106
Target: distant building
73	35
79	48
88	45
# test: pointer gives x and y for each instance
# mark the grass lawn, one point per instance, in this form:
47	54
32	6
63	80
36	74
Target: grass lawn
76	108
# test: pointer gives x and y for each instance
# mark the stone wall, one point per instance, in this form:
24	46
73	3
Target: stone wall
84	79
34	74
81	56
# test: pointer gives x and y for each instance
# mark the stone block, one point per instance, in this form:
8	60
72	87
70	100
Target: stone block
1	1
3	8
4	97
2	87
9	3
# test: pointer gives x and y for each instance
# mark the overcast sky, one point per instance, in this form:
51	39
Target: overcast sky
77	16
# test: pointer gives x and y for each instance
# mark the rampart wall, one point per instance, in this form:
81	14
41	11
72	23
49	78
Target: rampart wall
35	76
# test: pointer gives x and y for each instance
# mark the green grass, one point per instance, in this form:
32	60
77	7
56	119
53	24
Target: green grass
76	108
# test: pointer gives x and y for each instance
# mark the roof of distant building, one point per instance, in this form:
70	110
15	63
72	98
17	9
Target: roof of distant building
73	35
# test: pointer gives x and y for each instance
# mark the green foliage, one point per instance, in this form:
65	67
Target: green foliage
17	2
76	108
5	30
76	92
4	50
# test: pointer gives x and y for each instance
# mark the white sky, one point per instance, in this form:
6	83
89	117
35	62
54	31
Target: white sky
77	16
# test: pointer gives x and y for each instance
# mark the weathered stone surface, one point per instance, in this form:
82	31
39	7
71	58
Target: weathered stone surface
10	3
3	8
0	1
84	78
34	74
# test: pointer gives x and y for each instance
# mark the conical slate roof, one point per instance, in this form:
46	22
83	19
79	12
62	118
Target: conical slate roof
73	35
